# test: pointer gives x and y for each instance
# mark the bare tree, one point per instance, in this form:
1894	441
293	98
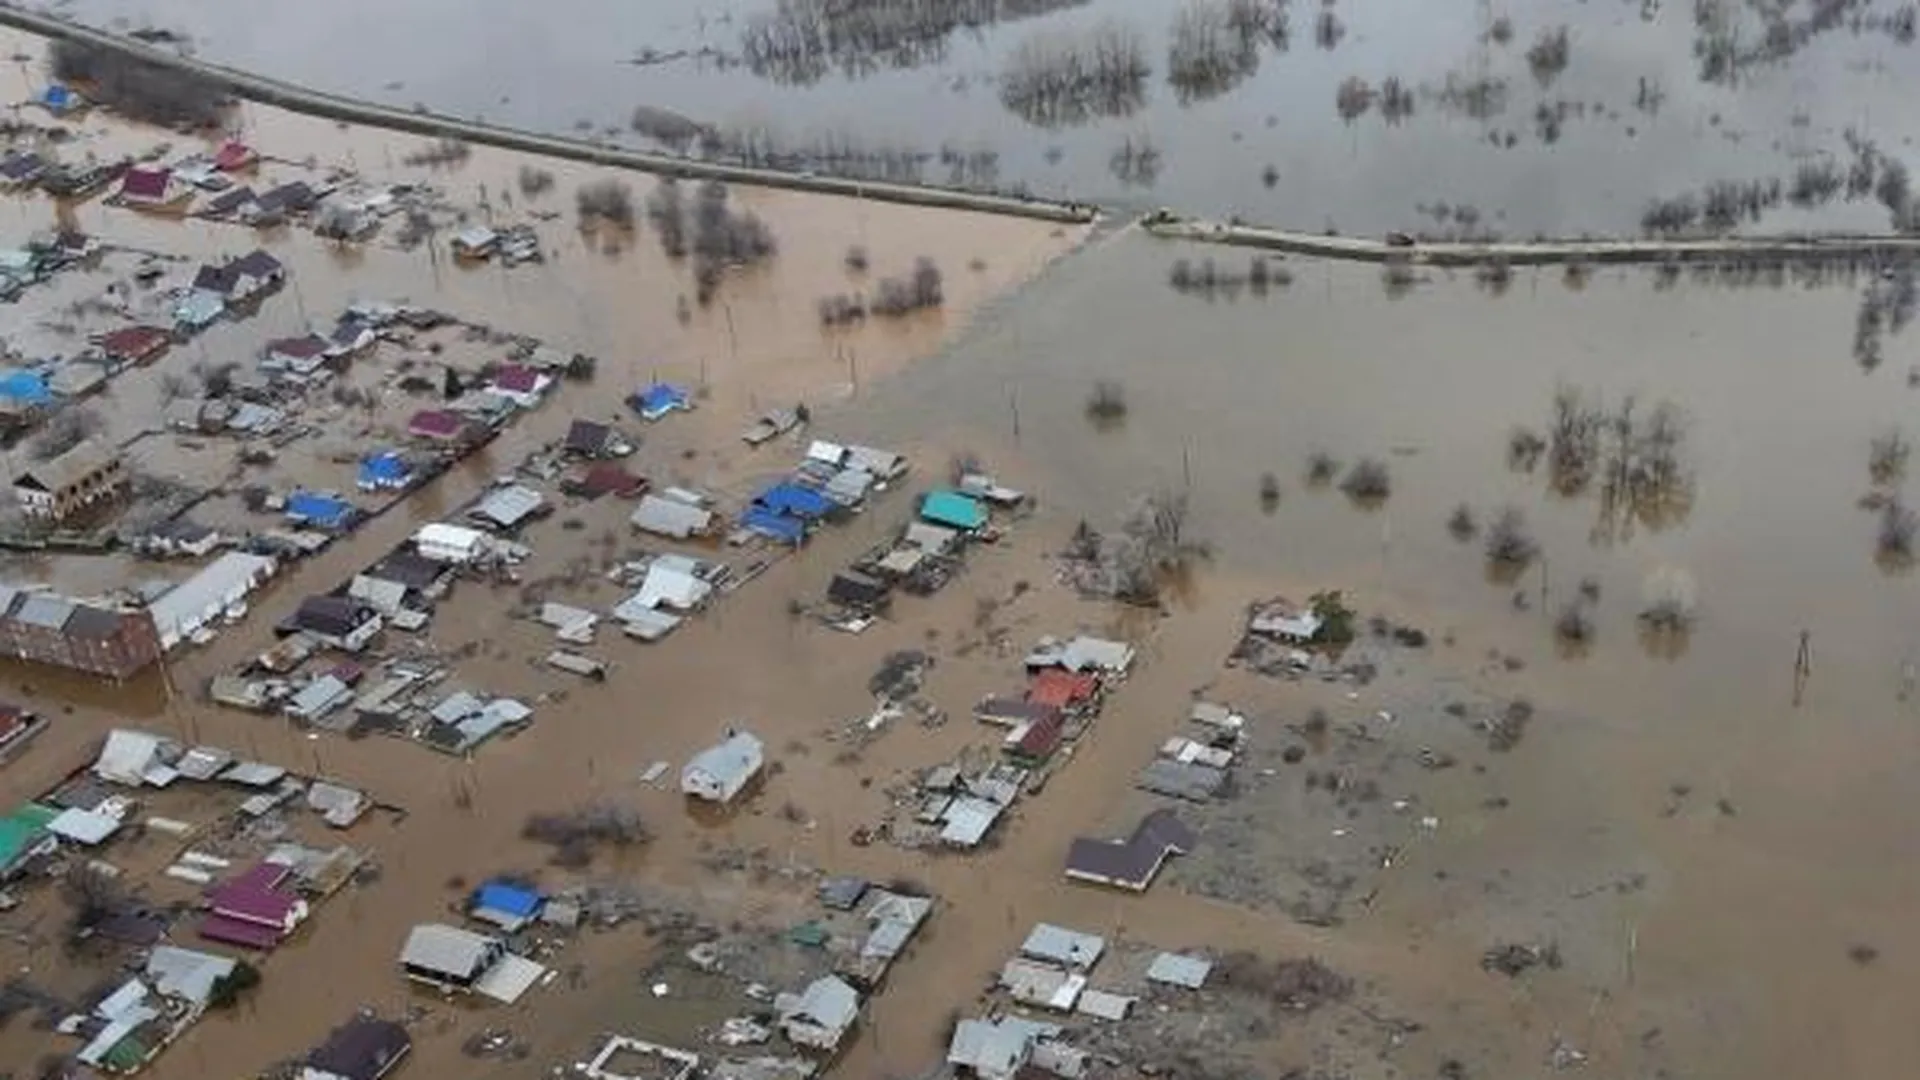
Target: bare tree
1107	403
1668	600
140	89
1367	482
1321	468
1549	55
1887	457
1062	79
1510	544
535	181
1894	542
1461	524
604	201
1353	98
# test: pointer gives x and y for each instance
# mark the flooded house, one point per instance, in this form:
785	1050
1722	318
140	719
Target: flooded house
364	1048
217	591
440	426
21	170
154	188
47	628
460	961
340	622
88	474
591	439
522	385
133	344
670	517
1134	862
235	156
721	772
476	242
256	910
820	1016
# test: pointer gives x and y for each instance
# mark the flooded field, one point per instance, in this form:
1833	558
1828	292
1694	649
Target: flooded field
1543	117
1613	776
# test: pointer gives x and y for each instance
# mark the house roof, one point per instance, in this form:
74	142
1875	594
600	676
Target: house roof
1133	862
731	762
90	623
792	499
610	478
133	342
186	973
231	931
854	589
588	437
82	460
258	264
517	379
1060	688
659	399
437	423
1177	970
670	517
448	950
29	387
508	899
48	611
23	828
334	616
413	571
298	348
509	506
234	154
146	182
827	1001
291	196
226	202
326	511
1041	738
363	1048
774	525
953	509
1068	948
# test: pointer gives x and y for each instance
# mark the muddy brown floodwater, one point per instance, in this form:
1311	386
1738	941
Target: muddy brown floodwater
1705	851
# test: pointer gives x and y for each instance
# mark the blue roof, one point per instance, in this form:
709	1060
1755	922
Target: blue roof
791	498
953	509
774	526
25	386
57	95
386	467
658	400
326	511
507	899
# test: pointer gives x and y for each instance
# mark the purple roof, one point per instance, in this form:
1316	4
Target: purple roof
227	931
254	896
436	423
146	183
262	875
517	379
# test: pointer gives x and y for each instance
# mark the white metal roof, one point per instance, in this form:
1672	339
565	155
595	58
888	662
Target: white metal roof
1177	970
448	950
1068	948
669	517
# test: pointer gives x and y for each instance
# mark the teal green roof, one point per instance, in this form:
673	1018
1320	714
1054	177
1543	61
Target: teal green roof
953	509
20	829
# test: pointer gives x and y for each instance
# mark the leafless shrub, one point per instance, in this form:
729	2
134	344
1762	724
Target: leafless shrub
1461	524
1135	163
1396	100
1353	98
1294	985
1510	544
1328	29
922	290
575	836
1367	482
439	153
843	309
1506	729
139	89
1494	275
91	896
1269	492
1321	468
665	126
1894	541
1500	31
1574	627
856	260
1573	440
1887	457
607	202
1815	183
1481	98
1549	55
1107	402
666	211
1399	278
63	431
1062	79
723	237
800	41
1524	447
1151	546
1668	600
535	181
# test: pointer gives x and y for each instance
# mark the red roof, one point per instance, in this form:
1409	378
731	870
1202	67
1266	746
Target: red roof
1041	739
146	182
234	155
134	342
1060	688
437	424
517	379
255	896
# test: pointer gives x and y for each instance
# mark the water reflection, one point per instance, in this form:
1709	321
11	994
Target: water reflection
801	42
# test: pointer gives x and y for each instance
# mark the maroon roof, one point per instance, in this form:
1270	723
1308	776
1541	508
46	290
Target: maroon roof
234	155
437	424
217	927
254	896
1042	738
146	183
301	348
517	379
611	479
133	342
261	875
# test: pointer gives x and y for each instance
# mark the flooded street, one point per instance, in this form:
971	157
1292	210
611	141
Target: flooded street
1634	110
1708	825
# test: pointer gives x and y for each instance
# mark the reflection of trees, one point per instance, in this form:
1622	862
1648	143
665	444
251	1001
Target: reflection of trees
1216	44
802	41
1631	459
1059	79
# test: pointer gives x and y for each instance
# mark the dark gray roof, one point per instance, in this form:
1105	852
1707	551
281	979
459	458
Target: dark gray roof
97	624
1132	861
361	1049
336	616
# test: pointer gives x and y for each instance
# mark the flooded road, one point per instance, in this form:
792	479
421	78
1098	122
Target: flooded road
1633	110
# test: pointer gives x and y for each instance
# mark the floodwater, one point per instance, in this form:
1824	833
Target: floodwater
1632	117
1737	952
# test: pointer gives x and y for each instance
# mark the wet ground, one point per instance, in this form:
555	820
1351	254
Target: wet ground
1647	99
1672	803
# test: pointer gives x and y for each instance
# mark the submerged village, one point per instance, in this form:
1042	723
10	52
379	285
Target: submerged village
461	616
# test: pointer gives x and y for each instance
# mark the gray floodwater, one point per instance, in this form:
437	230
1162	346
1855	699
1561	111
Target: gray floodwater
1629	117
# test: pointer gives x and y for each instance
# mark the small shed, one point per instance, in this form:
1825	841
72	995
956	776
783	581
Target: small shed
505	904
670	517
719	773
